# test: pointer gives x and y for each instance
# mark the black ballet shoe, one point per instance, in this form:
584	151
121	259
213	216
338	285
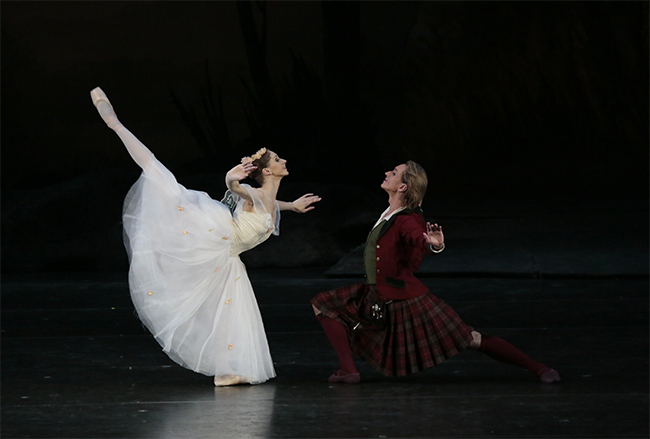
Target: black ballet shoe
548	375
341	377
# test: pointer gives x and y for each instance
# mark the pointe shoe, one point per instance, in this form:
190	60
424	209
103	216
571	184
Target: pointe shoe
227	380
341	377
109	116
548	375
98	95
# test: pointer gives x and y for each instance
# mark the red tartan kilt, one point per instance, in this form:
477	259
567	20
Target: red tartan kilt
421	332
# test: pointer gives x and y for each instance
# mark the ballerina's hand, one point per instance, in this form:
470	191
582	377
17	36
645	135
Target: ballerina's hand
240	172
303	204
434	235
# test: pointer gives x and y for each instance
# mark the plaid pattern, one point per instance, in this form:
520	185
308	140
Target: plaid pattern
421	333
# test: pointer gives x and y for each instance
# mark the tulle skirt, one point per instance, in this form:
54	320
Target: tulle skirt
194	297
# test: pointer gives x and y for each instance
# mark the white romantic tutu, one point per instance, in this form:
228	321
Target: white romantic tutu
187	283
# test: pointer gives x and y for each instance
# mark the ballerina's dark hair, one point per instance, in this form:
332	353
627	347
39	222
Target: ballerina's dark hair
260	159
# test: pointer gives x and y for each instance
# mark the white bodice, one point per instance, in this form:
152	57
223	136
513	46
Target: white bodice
249	230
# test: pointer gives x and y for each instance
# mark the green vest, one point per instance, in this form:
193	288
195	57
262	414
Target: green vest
370	254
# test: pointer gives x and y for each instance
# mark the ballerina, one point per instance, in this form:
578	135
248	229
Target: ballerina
187	282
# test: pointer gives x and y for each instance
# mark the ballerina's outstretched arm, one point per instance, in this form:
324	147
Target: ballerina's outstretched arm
301	205
140	153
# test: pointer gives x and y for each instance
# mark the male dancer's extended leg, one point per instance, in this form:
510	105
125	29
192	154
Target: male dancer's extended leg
503	351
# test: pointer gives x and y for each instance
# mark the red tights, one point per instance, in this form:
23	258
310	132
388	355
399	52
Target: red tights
338	337
494	347
501	350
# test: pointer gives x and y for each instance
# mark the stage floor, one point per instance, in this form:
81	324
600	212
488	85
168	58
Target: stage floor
76	363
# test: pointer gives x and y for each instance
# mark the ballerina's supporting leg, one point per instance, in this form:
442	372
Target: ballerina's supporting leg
140	153
228	380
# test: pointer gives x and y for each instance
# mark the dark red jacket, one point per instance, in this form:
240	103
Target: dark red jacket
400	249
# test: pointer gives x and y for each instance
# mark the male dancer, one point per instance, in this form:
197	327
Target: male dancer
421	330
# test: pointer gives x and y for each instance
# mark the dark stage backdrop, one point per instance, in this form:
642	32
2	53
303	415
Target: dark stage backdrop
495	99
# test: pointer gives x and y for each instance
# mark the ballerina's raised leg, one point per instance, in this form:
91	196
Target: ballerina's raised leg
140	153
